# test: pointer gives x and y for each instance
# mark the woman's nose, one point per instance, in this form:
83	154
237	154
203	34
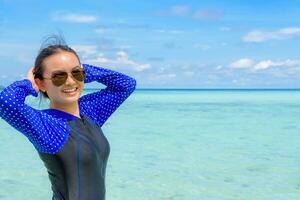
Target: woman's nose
70	80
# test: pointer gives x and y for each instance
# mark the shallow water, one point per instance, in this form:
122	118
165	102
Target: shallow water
182	145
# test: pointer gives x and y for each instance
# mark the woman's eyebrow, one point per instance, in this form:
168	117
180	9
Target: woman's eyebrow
76	67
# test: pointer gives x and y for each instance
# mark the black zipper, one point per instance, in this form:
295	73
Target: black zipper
78	160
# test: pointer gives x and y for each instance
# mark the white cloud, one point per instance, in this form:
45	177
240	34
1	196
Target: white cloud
202	14
169	31
121	60
176	10
85	50
225	28
100	30
179	10
219	67
185	10
260	36
246	63
289	31
265	64
90	54
76	18
242	63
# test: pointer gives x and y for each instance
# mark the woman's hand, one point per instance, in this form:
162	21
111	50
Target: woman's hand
30	77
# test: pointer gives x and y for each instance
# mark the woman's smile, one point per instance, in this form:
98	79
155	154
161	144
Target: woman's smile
71	91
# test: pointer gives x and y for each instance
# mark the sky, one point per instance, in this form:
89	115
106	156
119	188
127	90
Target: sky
162	44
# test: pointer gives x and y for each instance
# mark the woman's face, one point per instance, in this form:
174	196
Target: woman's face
63	61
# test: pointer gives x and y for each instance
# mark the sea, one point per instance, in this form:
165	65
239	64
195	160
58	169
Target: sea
181	144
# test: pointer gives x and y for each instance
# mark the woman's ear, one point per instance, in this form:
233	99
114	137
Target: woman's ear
40	84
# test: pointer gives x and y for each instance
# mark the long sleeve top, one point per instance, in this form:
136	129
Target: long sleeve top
74	150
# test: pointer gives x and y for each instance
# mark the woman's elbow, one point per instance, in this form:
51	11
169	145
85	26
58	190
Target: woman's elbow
131	85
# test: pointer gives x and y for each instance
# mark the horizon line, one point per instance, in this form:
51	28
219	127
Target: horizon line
191	88
205	88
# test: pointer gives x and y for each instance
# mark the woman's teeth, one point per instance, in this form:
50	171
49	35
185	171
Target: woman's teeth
70	90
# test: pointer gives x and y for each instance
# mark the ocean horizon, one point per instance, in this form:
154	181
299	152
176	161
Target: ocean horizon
196	88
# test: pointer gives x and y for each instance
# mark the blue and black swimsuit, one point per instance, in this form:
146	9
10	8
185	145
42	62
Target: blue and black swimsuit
74	150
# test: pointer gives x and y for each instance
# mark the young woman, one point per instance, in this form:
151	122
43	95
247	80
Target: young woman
68	135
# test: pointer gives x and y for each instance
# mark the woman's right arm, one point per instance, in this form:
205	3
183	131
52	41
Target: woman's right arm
41	129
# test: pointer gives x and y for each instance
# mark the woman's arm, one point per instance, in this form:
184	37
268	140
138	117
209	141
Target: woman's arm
46	133
100	105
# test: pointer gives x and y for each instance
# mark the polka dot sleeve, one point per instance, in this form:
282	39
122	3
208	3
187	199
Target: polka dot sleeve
46	133
100	105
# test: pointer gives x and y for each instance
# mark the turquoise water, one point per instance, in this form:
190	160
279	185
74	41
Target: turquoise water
182	145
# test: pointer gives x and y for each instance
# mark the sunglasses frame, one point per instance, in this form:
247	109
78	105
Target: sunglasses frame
65	76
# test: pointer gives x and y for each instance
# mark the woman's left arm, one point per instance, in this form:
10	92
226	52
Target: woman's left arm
101	104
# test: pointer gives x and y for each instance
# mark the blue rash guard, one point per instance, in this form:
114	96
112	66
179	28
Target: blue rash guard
74	150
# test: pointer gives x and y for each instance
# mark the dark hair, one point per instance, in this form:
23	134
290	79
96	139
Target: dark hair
52	45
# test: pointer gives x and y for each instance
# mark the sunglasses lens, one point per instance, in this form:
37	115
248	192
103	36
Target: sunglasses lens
59	78
79	75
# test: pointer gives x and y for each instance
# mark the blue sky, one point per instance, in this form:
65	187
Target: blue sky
163	44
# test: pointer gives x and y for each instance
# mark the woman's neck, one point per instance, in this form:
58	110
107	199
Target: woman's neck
71	108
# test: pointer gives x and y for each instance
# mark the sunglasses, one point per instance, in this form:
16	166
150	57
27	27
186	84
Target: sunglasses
59	78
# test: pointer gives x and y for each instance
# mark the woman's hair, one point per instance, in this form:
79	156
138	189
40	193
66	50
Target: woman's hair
52	45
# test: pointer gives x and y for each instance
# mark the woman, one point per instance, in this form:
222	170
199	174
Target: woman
68	135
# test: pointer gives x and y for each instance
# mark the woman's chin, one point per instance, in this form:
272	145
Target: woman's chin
66	99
